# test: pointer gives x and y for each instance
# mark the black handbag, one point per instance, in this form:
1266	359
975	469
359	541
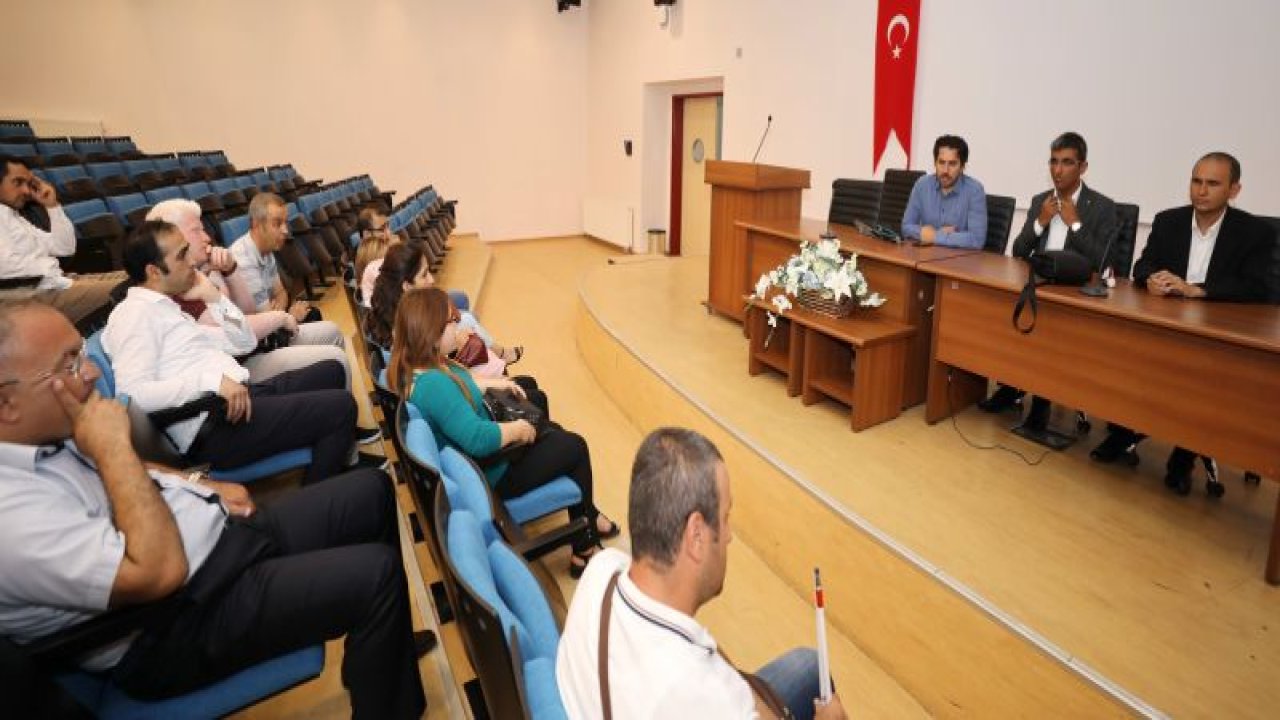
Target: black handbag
506	406
1061	267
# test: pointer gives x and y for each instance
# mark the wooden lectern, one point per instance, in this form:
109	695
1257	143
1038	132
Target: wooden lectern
744	191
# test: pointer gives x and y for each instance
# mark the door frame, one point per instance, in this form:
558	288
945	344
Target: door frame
677	165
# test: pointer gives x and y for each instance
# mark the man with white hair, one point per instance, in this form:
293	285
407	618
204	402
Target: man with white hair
219	266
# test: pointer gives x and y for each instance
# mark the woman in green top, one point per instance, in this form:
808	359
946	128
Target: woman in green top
451	400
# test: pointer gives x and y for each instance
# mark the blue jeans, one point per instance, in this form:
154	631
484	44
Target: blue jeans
794	677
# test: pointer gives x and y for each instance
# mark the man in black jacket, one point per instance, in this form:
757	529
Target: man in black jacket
1070	216
1205	250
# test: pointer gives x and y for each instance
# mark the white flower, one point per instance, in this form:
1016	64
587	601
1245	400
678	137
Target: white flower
872	300
829	249
773	321
782	303
762	285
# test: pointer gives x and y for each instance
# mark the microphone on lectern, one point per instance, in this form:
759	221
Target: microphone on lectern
767	125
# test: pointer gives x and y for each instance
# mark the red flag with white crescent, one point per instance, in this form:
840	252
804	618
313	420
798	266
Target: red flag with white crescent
897	27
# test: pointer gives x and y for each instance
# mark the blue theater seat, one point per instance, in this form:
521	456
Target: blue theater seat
267	467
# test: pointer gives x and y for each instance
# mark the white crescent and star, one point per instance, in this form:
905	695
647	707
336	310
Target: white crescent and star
897	20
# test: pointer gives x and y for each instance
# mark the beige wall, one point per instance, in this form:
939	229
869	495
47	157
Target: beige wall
484	99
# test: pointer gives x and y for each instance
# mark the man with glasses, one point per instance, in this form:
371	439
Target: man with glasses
87	527
29	254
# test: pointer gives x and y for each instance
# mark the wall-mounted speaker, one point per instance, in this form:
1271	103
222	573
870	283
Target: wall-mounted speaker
562	5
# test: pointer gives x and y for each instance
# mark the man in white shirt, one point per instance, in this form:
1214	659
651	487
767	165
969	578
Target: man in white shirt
218	264
29	255
254	255
661	662
164	360
1206	250
85	528
1071	216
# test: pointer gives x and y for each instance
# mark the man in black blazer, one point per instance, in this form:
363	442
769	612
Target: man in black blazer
1071	216
1205	250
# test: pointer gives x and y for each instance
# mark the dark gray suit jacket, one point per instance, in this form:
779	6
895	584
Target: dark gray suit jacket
1097	228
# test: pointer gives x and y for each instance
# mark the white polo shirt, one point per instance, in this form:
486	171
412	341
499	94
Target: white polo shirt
662	663
60	550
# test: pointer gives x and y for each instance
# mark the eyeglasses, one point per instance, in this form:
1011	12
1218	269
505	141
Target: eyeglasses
73	365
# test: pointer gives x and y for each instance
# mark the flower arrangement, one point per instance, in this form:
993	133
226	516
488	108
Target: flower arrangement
818	269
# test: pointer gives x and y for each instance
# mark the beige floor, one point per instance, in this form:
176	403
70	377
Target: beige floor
1162	595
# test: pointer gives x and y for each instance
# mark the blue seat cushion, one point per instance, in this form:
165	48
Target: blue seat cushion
526	600
274	465
469	554
472	491
541	691
420	441
212	701
555	495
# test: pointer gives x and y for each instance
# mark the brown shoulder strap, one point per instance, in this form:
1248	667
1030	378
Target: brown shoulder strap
606	609
761	689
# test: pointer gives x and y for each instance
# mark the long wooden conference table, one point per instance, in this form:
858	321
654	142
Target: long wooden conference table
1202	375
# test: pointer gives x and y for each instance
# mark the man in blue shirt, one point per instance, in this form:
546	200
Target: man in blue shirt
948	207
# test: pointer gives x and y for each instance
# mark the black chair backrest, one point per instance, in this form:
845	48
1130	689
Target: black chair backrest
1273	277
999	222
852	200
1126	239
894	196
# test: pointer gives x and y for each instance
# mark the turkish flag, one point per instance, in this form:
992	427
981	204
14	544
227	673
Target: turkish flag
897	27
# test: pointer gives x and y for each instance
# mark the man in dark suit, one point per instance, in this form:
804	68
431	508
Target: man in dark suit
1071	216
1206	251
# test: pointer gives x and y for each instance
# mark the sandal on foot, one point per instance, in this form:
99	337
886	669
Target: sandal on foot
614	529
576	570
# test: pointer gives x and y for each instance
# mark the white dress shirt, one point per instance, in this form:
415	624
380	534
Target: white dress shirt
60	550
1202	249
259	270
163	359
28	251
1057	226
662	663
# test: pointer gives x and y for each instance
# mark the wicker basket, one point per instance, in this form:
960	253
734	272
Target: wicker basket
813	300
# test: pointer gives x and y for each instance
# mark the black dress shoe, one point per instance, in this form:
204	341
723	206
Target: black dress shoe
424	641
1115	447
1178	481
1004	398
1038	419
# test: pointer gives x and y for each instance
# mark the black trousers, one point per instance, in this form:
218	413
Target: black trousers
556	452
323	562
304	408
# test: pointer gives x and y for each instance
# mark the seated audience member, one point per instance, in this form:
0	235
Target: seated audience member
404	268
374	242
219	266
1071	216
451	400
29	254
253	253
163	360
948	207
85	528
1203	251
374	228
658	661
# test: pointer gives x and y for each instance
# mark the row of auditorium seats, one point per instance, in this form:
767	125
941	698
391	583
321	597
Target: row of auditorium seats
502	611
885	203
57	151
